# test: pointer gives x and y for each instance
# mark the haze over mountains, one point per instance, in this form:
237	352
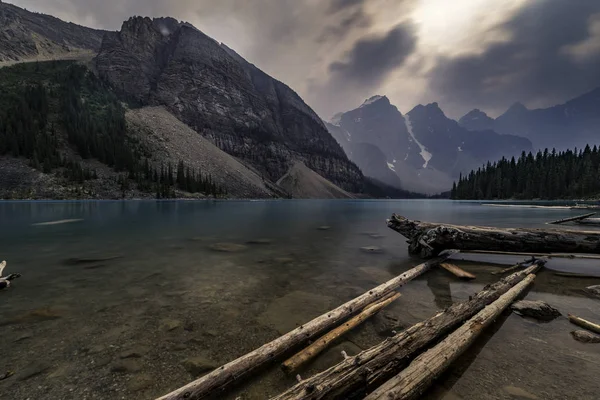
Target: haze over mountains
259	129
422	151
575	123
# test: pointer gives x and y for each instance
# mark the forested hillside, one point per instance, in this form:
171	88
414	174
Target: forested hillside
547	175
57	115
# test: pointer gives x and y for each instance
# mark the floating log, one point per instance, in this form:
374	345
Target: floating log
457	271
224	376
536	255
571	219
589	221
514	267
324	341
576	275
590	326
413	381
372	367
428	239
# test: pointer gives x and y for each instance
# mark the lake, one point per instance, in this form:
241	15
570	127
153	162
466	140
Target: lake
130	300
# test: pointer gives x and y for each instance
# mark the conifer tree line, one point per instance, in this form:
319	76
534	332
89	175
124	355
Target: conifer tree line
570	174
94	120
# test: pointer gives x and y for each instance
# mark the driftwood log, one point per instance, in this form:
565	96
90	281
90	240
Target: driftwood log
429	239
324	341
590	326
457	271
232	372
374	366
572	219
413	381
534	255
514	267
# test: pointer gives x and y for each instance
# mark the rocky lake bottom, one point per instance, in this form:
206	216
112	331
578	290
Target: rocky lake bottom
132	300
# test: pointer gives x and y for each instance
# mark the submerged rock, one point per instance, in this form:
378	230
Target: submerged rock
324	228
371	249
519	393
32	370
135	352
125	366
386	323
259	241
140	382
536	309
34	316
228	247
585	336
294	309
593	290
170	324
198	365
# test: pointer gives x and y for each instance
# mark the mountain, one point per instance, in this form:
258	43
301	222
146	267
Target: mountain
476	120
455	149
26	35
208	86
575	123
303	183
65	134
424	150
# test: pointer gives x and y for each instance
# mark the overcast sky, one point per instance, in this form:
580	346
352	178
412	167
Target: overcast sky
463	54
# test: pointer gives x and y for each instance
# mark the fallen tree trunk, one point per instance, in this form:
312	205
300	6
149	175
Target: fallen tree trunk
372	367
324	341
218	380
457	271
576	275
414	380
514	267
571	219
590	326
429	239
589	221
535	255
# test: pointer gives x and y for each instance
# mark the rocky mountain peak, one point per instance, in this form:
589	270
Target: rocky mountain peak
517	108
476	120
222	96
431	110
25	35
376	100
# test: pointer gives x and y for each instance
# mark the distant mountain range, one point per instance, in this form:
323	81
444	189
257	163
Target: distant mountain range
575	123
422	151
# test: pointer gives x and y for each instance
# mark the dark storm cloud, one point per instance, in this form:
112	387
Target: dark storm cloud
534	66
356	19
371	59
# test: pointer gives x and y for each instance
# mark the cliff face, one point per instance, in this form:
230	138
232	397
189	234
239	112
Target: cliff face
228	100
26	35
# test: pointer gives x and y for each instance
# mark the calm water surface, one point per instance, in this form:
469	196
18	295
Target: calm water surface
129	300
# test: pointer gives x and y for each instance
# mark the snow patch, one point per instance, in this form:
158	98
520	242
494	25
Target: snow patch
371	100
424	153
391	166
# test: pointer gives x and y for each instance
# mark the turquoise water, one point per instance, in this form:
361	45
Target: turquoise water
129	300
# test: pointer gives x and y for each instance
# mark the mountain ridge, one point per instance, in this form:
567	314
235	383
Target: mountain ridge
574	123
223	97
424	149
25	35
